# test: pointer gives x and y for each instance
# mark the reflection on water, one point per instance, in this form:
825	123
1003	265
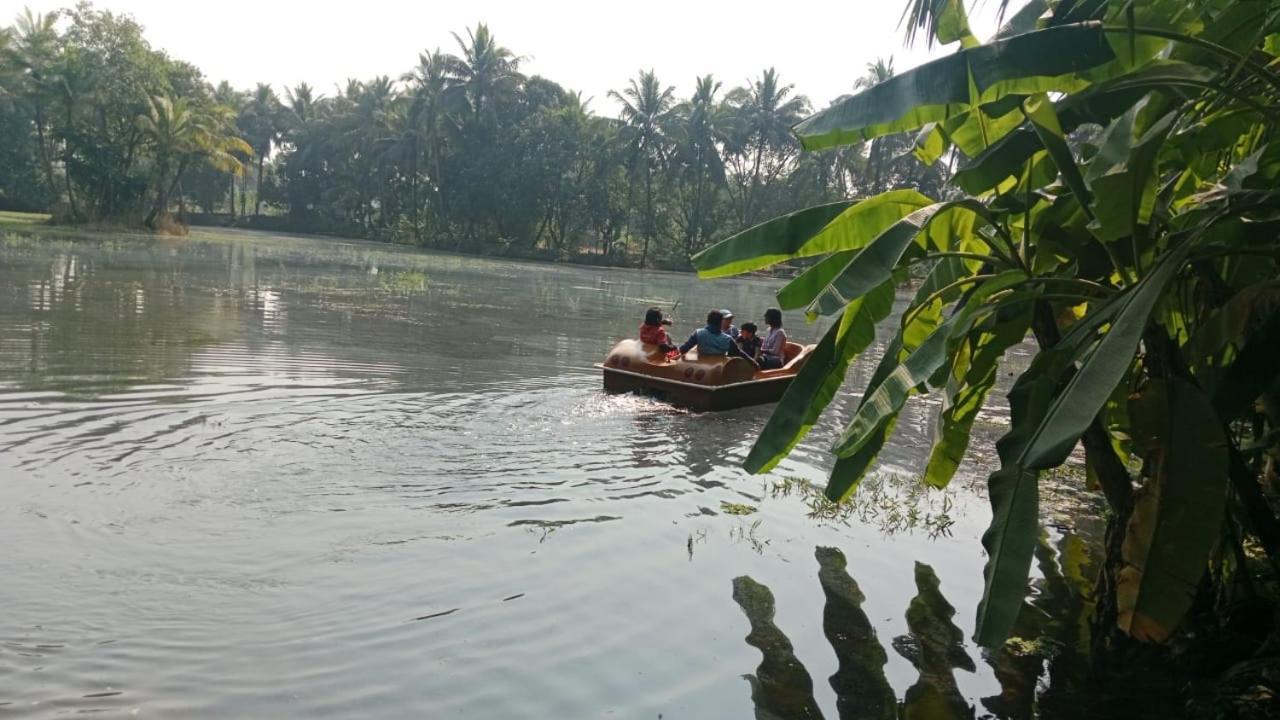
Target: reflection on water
255	476
936	648
862	690
1041	672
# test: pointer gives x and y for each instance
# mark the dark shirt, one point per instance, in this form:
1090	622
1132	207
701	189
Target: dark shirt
750	347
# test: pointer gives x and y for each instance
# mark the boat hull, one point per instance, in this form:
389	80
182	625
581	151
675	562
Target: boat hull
698	397
710	384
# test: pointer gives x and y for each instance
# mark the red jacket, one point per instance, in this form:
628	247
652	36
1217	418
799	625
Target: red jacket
654	335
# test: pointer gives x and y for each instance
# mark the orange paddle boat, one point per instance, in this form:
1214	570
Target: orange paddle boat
711	383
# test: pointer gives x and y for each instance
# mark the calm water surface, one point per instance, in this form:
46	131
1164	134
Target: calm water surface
256	476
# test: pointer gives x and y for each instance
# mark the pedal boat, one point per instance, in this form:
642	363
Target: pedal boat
711	383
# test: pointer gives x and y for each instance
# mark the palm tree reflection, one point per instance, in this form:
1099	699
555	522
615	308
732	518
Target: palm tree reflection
1051	635
862	691
783	688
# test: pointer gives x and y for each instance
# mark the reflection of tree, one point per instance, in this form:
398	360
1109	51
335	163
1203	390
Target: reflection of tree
1043	670
1052	627
781	688
936	647
862	691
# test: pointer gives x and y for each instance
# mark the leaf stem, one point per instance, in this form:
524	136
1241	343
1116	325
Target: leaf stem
911	314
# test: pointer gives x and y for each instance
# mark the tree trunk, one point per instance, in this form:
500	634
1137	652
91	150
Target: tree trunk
44	154
232	196
257	195
648	214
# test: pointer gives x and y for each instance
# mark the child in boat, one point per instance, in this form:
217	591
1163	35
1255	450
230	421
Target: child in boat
654	332
773	351
748	340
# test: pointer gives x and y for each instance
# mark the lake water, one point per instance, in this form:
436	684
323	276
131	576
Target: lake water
257	476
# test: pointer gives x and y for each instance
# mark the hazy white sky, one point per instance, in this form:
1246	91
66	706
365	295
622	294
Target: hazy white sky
820	46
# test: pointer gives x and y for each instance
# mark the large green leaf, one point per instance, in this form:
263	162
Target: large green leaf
1177	517
953	24
817	382
886	399
973	374
1015	503
807	233
1024	20
809	284
768	243
1088	389
1040	61
1123	177
878	260
1102	103
848	471
1045	123
1046	423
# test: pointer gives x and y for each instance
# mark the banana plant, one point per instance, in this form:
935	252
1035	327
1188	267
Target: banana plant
1114	200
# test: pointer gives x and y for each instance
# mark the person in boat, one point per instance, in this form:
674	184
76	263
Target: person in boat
749	341
712	340
726	323
773	350
654	331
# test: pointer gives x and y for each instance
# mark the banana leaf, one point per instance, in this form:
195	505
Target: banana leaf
1040	61
849	471
973	374
1177	517
816	383
887	398
1046	423
807	233
878	260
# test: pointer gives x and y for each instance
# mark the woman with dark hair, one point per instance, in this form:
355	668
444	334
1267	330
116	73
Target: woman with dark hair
773	351
654	332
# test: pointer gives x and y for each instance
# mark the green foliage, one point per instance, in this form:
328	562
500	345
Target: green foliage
1177	519
1117	173
465	151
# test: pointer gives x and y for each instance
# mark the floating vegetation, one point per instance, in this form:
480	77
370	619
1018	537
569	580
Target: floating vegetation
729	508
747	534
894	503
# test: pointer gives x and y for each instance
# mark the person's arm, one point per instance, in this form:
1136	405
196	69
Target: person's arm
688	344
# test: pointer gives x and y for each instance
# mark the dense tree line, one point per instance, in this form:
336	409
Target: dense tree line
463	151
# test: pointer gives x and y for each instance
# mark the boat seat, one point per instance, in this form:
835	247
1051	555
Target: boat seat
790	352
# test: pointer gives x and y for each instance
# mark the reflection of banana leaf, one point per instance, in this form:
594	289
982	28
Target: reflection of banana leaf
781	689
862	691
936	648
1017	663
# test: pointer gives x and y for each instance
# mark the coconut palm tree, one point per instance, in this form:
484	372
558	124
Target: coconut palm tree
880	150
263	113
763	147
484	72
33	52
179	133
429	86
697	130
645	104
227	96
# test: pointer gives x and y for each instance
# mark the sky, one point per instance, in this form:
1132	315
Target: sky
821	47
